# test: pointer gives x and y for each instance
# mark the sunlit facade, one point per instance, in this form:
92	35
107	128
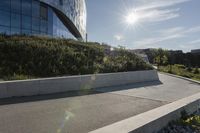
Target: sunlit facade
55	18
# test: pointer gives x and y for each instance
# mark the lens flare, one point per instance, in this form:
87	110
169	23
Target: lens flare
132	18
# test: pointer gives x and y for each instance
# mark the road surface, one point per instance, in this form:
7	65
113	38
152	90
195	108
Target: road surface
81	112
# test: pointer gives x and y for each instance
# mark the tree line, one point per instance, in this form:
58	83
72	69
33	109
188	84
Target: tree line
169	57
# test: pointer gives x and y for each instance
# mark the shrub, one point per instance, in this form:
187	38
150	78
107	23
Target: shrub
182	72
196	70
180	66
189	69
16	77
44	57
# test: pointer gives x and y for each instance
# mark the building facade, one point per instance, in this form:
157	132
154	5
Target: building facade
54	18
195	51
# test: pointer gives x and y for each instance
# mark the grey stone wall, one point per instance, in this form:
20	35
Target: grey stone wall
72	83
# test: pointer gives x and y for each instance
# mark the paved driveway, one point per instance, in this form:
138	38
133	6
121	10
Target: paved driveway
77	113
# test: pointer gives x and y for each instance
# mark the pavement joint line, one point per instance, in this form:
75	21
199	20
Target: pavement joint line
157	100
152	99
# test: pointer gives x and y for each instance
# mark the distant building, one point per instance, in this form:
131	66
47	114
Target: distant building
107	48
144	57
138	51
141	54
195	51
175	51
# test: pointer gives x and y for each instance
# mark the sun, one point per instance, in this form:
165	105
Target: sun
132	18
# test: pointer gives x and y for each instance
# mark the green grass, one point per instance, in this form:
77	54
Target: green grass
181	70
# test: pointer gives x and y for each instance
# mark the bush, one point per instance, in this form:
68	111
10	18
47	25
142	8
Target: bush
123	61
182	72
189	69
180	66
45	57
17	77
196	70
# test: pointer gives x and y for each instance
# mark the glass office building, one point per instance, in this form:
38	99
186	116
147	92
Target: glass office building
55	18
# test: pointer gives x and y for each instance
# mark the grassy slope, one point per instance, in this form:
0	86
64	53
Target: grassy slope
23	57
181	70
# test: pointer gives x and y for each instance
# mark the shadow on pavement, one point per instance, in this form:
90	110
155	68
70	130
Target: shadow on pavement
128	86
16	100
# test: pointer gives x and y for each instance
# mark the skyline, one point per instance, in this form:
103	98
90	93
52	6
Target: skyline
172	24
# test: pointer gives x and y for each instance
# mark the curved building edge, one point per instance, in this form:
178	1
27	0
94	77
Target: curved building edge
72	13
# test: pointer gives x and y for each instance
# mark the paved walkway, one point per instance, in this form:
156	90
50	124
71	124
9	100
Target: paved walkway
77	113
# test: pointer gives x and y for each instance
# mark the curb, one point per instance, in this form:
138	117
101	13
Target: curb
154	120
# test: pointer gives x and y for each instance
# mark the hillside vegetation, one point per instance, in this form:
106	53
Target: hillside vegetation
23	57
175	62
181	70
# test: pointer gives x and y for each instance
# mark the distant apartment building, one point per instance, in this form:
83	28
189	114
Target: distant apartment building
195	51
175	51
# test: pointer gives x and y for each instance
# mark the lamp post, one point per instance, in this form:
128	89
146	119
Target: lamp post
86	37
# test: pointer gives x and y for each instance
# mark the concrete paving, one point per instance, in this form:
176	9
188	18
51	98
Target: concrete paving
169	89
76	113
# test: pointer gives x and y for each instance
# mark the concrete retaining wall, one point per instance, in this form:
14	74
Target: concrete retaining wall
154	120
71	83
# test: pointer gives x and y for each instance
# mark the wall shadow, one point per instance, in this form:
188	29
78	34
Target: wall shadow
128	86
17	100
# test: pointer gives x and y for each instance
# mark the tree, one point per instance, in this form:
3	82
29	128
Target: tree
160	57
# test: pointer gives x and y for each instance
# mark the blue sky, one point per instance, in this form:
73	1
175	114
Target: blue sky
169	24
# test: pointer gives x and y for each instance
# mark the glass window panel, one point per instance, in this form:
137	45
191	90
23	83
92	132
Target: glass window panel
54	30
50	15
4	18
5	5
50	21
61	2
35	24
43	26
35	8
15	20
16	6
43	12
4	30
35	32
26	7
50	28
15	31
26	32
43	33
26	22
